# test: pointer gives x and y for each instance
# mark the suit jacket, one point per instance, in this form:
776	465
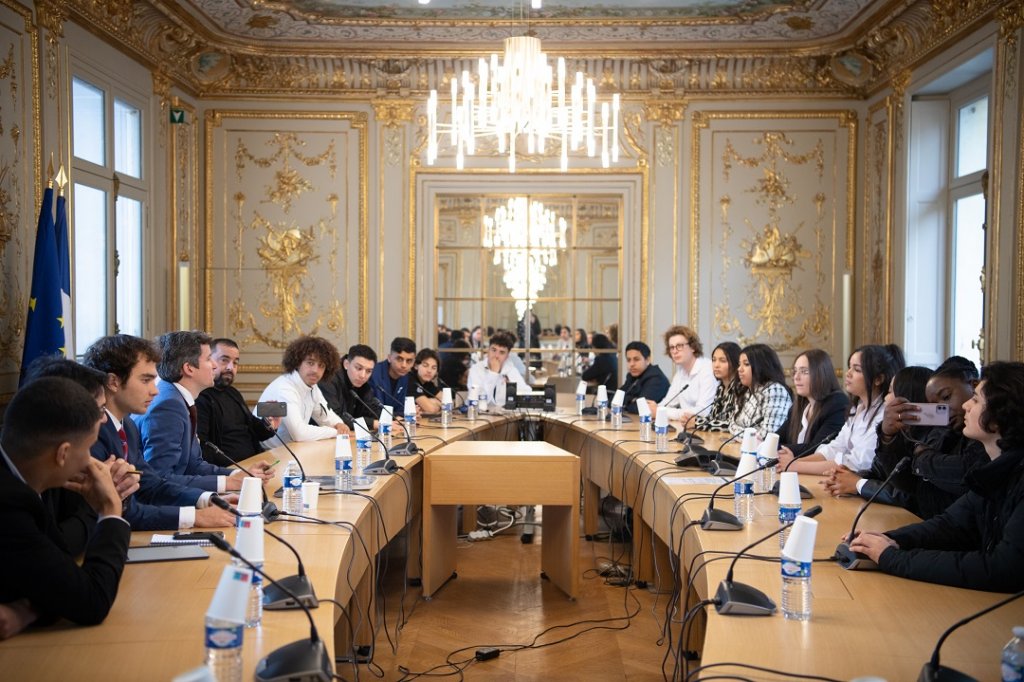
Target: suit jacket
155	505
828	420
168	444
37	568
74	517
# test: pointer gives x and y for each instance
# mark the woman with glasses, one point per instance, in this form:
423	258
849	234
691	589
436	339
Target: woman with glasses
693	384
820	407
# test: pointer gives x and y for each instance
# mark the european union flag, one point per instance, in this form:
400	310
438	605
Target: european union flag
44	330
64	262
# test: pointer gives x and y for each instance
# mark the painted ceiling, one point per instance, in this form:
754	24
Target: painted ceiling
364	25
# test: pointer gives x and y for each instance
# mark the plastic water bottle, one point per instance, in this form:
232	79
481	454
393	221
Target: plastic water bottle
616	416
384	432
743	499
602	410
581	399
1013	657
224	650
471	408
796	589
446	414
363	454
254	609
342	463
787	514
661	438
645	429
293	488
410	417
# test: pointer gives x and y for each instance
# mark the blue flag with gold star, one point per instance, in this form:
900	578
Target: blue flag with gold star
64	262
44	330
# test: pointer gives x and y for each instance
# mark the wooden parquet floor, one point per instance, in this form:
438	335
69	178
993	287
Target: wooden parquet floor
499	598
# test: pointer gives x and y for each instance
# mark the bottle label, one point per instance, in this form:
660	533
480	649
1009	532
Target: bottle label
293	482
410	419
602	405
362	444
580	397
646	419
447	407
616	409
788	514
471	403
224	638
343	464
661	430
795	569
385	429
743	488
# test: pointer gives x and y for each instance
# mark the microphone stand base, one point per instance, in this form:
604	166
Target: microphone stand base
301	661
930	673
404	449
716	519
737	599
805	494
382	467
853	561
275	599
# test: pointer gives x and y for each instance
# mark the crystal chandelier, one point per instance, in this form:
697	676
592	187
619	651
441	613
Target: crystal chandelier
521	97
526	238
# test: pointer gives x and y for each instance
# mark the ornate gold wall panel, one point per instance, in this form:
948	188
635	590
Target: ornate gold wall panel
184	216
773	211
19	175
876	300
286	228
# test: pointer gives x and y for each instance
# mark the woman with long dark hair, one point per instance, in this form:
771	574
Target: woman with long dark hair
819	408
766	401
725	360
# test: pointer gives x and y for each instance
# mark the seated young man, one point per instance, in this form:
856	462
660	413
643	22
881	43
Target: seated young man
48	429
348	392
645	380
306	361
977	543
494	372
390	378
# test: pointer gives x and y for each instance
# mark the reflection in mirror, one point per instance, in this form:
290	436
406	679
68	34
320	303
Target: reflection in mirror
531	265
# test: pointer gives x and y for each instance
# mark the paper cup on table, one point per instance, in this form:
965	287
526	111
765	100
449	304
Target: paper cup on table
749	443
446	396
410	405
769	449
310	496
602	394
231	598
385	415
789	489
800	545
746	466
362	432
581	388
661	420
250	499
249	538
471	393
643	409
619	398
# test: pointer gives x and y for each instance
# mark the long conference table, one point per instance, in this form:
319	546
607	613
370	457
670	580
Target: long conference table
863	623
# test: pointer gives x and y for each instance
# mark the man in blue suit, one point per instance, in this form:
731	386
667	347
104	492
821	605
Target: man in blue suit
168	428
128	364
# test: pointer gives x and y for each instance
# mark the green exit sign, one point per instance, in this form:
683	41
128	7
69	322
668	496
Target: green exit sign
177	115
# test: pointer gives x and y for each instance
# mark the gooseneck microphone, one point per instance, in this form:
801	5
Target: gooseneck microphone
845	556
739	599
270	511
305	659
294	586
717	519
407	448
932	671
687	436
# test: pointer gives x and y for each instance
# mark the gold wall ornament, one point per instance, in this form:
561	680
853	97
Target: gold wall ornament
289	184
1011	20
876	226
51	15
664	112
392	113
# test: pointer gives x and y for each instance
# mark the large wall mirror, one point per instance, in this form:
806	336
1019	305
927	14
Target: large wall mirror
530	264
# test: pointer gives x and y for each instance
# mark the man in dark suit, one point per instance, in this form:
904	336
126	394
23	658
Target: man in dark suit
224	418
169	426
128	366
48	429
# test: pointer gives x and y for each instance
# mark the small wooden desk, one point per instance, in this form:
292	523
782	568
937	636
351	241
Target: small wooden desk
490	472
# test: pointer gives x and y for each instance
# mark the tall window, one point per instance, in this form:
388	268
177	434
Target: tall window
946	243
109	196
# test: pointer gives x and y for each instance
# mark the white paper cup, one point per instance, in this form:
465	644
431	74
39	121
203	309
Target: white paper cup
800	545
249	538
747	464
250	499
789	488
769	449
310	496
602	394
619	397
231	598
581	388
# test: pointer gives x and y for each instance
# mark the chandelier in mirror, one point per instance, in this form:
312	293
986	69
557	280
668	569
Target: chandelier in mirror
521	97
526	238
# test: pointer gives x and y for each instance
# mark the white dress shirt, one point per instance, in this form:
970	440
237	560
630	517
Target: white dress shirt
304	403
491	385
700	383
854	447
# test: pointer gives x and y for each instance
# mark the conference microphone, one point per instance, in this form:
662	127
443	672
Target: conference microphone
933	672
386	465
270	511
739	599
297	586
688	436
306	659
845	556
716	519
805	494
695	455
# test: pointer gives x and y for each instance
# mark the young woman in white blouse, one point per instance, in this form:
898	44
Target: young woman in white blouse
870	371
693	384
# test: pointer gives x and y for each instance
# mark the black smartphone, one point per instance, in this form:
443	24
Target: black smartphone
203	535
271	409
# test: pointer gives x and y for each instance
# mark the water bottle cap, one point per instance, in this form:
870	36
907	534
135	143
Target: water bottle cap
1018	631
